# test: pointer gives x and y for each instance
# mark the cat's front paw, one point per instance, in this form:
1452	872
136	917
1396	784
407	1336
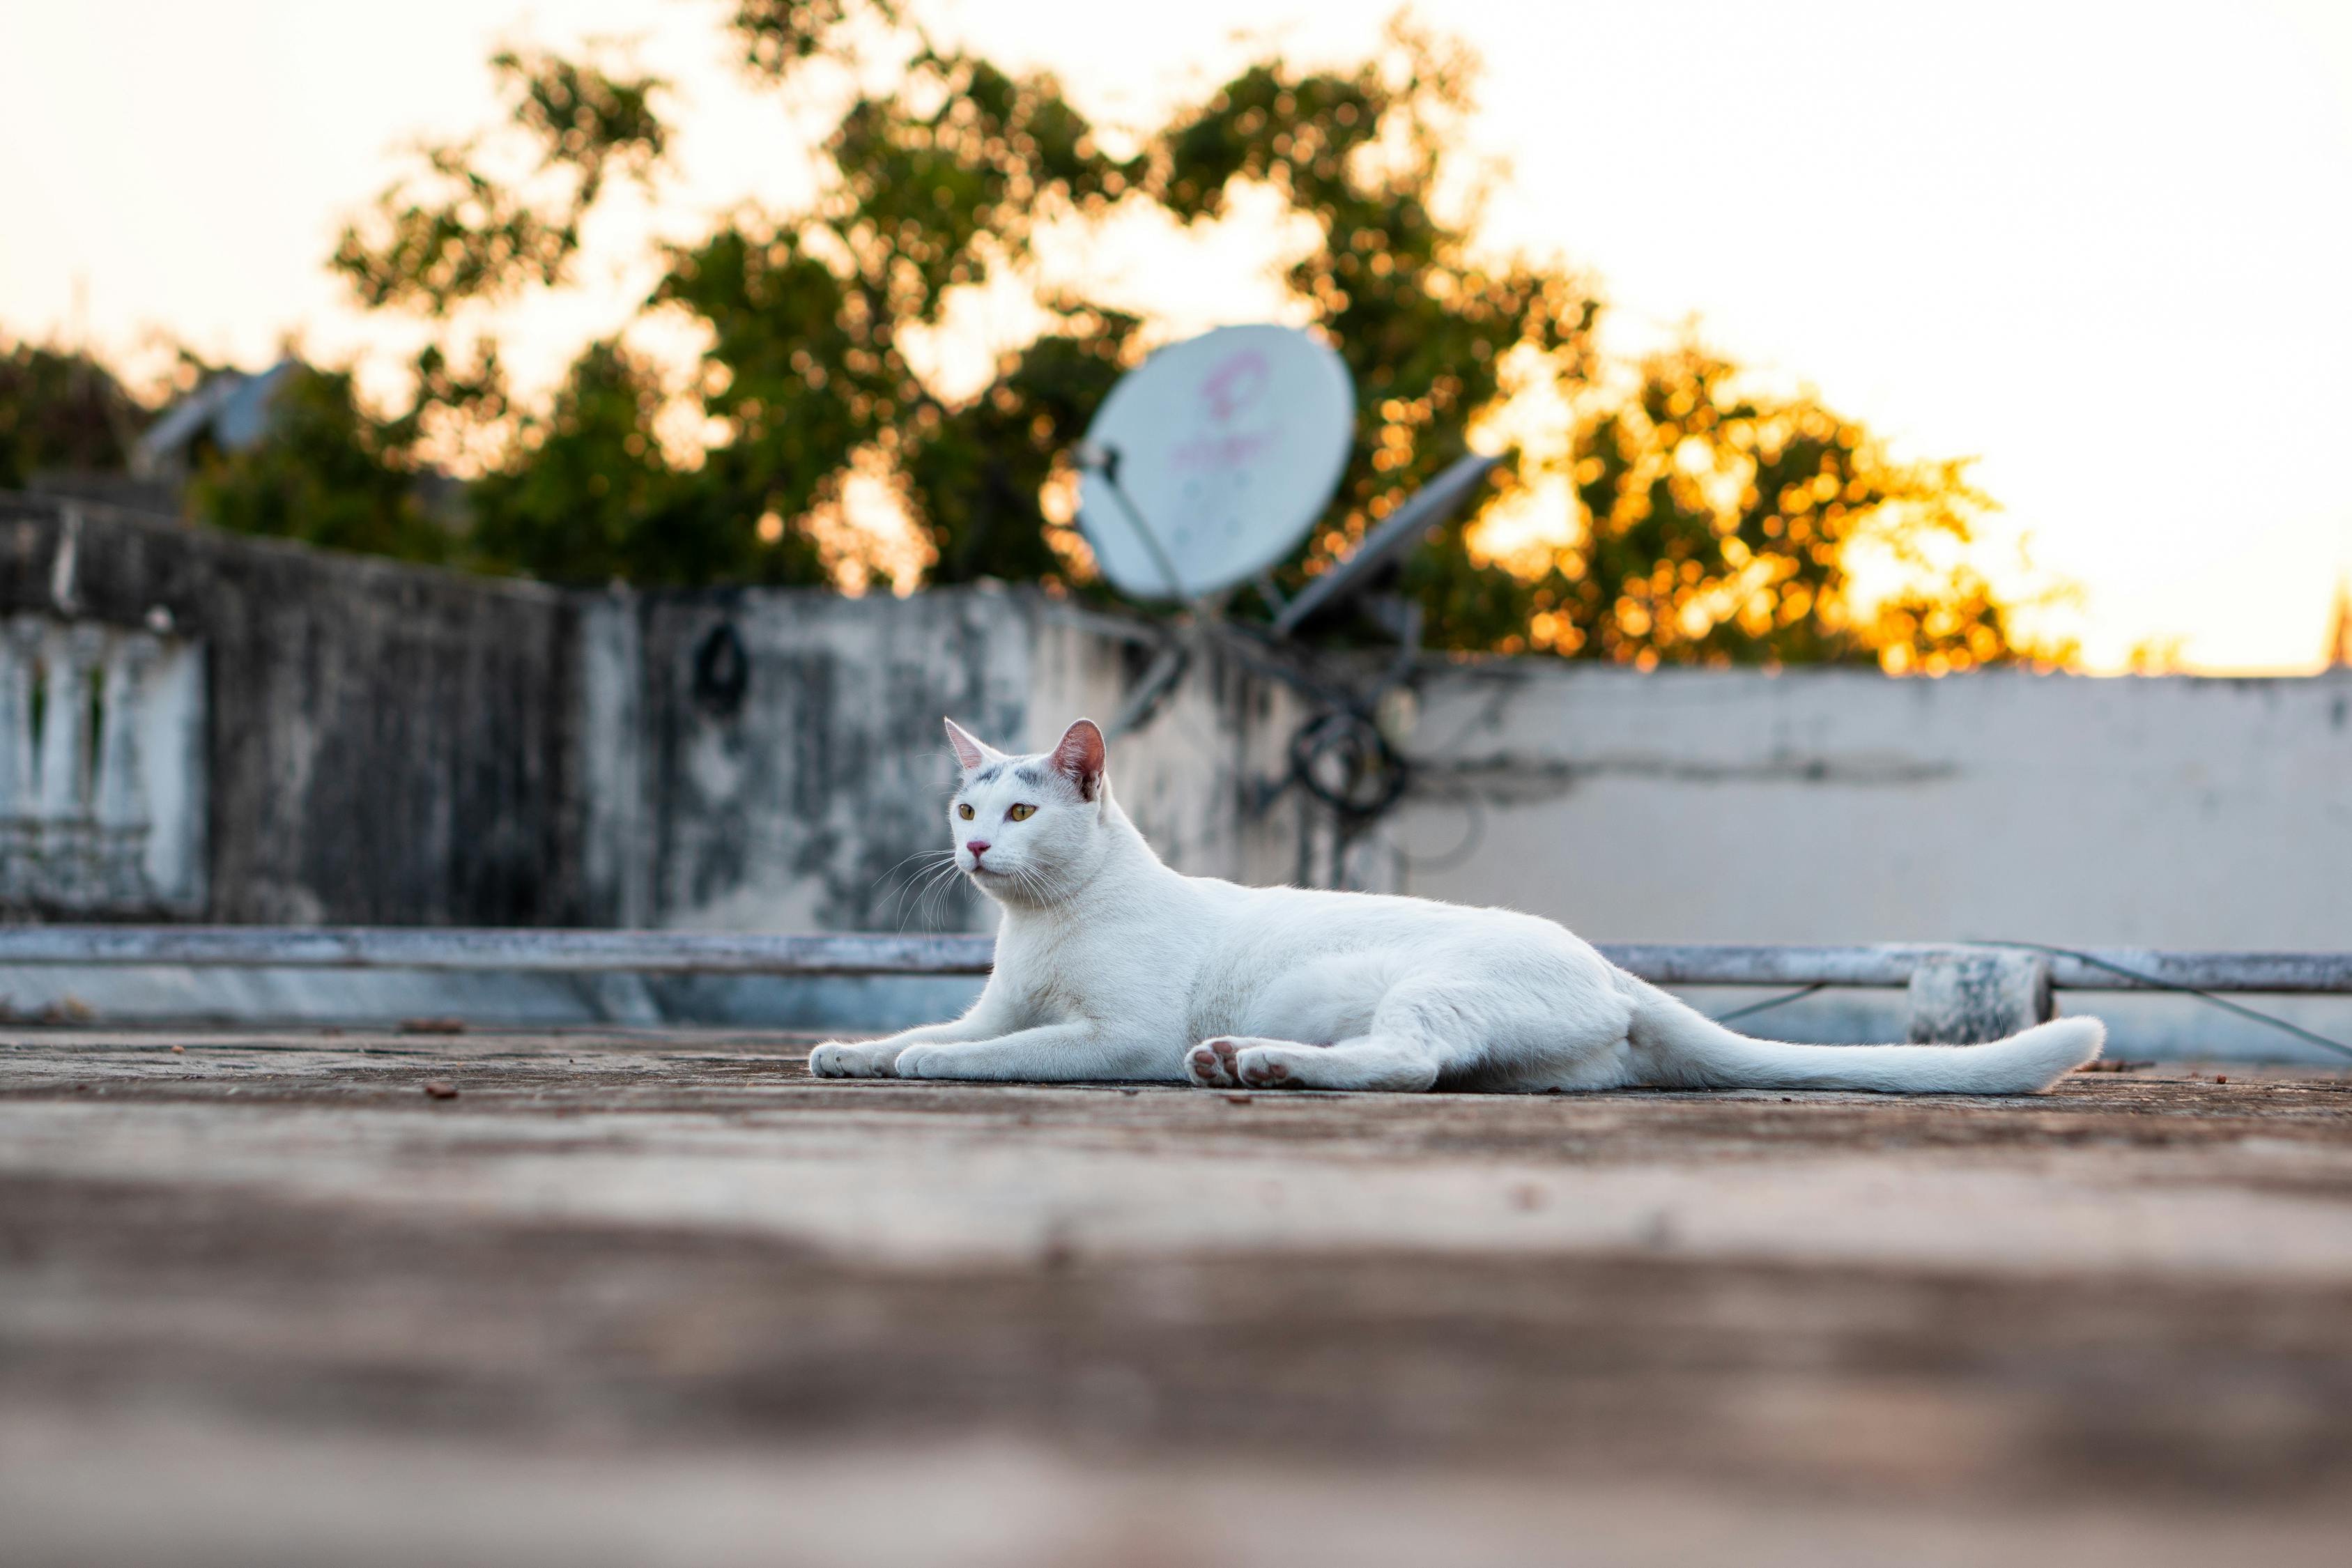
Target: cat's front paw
914	1060
1212	1065
843	1058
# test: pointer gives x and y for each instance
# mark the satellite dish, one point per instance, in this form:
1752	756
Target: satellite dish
1208	463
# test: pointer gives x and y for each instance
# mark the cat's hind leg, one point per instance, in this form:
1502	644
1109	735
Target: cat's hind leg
1436	1023
1219	1063
1367	1062
1211	1063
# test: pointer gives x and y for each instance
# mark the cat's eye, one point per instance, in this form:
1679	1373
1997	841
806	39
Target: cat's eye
1021	813
964	811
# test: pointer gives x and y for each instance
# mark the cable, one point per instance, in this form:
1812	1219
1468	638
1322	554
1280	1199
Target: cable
2297	1030
1800	990
1371	777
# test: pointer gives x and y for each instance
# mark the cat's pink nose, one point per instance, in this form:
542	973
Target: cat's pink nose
979	846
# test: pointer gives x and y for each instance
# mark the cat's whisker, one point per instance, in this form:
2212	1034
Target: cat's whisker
899	894
906	898
936	888
920	889
918	855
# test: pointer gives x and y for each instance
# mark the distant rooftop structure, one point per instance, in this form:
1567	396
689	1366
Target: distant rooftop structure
228	412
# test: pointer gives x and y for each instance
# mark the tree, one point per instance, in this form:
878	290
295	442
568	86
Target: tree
62	409
1714	523
326	473
1724	525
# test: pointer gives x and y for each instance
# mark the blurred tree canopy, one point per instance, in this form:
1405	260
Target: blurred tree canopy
1714	522
1724	526
328	473
62	409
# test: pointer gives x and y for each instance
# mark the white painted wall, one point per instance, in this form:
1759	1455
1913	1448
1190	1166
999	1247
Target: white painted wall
1844	807
1833	806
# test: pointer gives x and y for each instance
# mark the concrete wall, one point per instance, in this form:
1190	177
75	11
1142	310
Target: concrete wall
337	739
359	741
384	745
774	759
790	771
103	783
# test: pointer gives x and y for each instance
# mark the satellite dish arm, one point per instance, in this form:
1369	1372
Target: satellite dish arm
1103	457
1403	528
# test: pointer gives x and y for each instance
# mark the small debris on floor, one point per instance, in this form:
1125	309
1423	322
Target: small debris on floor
441	1088
179	1050
1237	1100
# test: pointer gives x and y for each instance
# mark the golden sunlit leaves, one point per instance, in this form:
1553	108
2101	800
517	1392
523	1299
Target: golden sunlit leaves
1729	518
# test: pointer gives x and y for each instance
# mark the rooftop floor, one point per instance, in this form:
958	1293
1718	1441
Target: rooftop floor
663	1298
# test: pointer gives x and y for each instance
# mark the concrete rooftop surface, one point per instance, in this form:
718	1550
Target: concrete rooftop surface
640	1297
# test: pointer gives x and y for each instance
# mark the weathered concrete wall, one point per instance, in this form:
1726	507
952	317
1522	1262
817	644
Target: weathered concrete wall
1202	775
377	744
104	780
385	745
794	749
774	759
792	771
359	741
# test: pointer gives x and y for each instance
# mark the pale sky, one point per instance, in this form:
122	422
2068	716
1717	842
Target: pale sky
2104	247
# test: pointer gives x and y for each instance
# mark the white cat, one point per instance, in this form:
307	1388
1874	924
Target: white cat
1110	965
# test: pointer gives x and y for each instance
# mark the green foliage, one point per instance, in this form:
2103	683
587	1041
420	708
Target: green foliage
327	474
777	34
453	232
939	182
62	410
1714	524
1424	325
981	471
593	499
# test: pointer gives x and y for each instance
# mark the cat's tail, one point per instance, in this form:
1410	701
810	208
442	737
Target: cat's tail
1681	1047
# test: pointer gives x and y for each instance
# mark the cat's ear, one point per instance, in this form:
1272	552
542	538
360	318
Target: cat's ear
1079	757
970	751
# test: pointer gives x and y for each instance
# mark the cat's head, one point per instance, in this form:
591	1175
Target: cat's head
1030	829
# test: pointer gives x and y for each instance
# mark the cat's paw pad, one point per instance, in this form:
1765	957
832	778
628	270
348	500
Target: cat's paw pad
1211	1064
1262	1068
838	1058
